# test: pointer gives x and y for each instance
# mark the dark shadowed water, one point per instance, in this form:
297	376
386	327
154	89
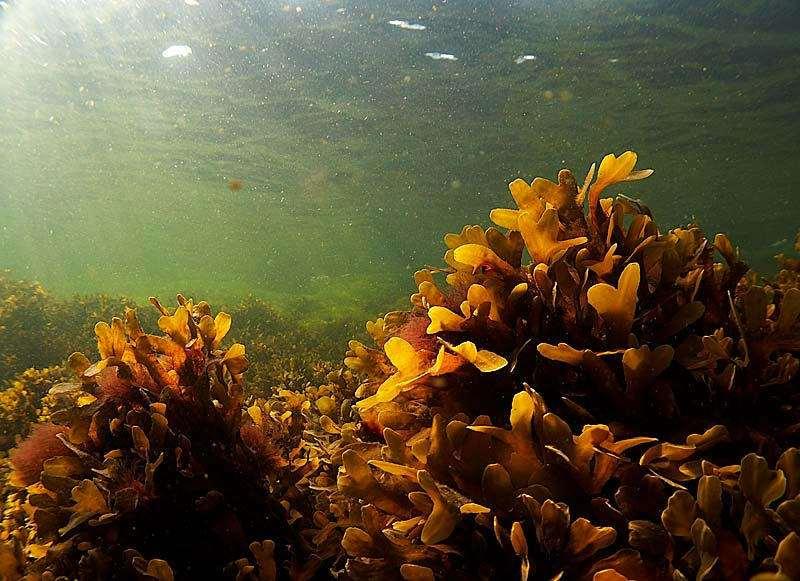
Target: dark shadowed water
353	149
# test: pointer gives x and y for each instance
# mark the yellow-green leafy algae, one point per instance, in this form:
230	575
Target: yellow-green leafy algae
286	352
149	465
39	328
789	274
574	393
20	401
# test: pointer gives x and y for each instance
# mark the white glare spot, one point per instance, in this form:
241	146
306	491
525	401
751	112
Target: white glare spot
524	58
441	56
177	50
38	39
191	2
404	24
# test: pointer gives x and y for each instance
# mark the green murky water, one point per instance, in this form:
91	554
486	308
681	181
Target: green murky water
355	150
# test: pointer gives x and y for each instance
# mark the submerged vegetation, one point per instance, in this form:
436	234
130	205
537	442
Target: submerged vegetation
148	447
38	330
613	407
575	394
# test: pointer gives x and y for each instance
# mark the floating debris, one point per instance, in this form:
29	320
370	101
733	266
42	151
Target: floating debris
405	25
191	2
614	60
441	56
177	50
524	58
235	185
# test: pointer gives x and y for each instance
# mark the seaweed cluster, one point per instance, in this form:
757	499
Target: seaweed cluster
789	275
148	467
575	395
284	353
20	401
19	300
38	329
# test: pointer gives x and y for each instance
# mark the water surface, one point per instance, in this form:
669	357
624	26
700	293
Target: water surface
124	124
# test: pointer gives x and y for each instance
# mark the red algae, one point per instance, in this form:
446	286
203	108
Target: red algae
29	457
414	332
